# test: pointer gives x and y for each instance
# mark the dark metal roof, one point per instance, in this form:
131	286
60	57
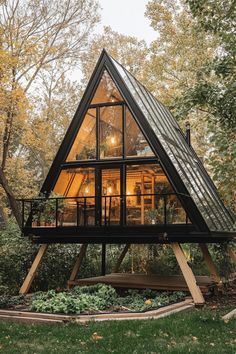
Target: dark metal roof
189	167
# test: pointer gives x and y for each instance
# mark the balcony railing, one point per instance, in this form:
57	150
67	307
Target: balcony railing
130	209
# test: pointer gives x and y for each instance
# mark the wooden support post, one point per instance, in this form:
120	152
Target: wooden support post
103	268
32	272
232	255
122	256
209	262
188	274
78	262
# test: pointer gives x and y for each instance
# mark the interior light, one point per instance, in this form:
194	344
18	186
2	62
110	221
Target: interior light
109	189
128	193
113	140
87	190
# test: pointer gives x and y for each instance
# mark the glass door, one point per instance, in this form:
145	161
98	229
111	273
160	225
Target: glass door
110	196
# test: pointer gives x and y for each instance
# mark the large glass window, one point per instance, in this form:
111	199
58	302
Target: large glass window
84	146
111	142
136	144
79	185
106	91
150	198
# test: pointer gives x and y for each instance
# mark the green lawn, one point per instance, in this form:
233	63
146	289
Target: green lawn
195	331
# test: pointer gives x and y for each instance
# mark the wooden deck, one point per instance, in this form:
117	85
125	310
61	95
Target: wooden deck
143	281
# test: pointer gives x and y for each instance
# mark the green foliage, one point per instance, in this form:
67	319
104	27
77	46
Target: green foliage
101	297
148	299
221	258
222	161
9	301
216	86
45	208
80	299
17	255
105	292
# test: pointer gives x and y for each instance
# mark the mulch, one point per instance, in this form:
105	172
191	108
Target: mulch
225	298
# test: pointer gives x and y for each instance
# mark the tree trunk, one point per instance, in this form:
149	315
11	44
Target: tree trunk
3	221
12	200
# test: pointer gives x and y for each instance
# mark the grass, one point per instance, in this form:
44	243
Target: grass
195	331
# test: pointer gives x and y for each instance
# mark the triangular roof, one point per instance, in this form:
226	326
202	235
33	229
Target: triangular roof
182	166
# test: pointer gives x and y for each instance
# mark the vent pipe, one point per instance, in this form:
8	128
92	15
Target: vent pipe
188	133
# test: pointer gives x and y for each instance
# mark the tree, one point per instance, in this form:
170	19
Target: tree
178	51
175	58
215	91
215	88
35	34
54	107
128	50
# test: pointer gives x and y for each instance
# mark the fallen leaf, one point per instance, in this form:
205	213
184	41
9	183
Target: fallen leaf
148	302
214	307
96	337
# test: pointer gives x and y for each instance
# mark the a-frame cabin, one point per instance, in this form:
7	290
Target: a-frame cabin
125	173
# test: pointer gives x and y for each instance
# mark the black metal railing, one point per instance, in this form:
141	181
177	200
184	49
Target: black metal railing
129	209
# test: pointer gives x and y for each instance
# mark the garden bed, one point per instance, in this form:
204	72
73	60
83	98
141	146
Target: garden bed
95	299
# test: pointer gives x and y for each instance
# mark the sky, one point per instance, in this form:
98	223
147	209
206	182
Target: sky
127	17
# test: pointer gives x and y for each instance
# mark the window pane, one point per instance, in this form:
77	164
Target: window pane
150	198
111	144
111	197
80	184
84	146
106	91
136	144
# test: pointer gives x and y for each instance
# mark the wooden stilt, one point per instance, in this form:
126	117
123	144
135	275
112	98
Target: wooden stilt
78	262
32	272
232	255
122	256
104	253
188	274
209	262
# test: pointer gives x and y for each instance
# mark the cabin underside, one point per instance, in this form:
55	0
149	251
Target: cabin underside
141	234
196	285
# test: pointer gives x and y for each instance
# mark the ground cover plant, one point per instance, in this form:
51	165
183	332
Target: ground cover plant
101	297
195	331
93	298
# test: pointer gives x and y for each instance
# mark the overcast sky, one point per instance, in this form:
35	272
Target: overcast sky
127	17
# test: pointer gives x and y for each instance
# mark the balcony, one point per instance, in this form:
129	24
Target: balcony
98	216
147	209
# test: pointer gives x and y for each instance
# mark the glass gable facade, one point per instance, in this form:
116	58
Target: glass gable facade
108	131
130	194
